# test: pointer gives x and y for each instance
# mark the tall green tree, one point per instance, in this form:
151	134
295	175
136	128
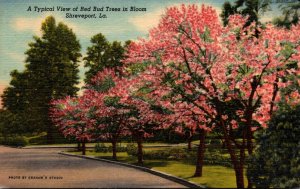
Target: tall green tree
51	72
15	97
103	54
290	15
251	8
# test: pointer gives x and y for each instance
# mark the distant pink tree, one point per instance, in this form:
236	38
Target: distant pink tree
71	116
138	117
109	117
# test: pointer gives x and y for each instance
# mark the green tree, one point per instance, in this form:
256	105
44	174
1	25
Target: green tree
290	15
103	54
277	158
51	72
15	96
251	8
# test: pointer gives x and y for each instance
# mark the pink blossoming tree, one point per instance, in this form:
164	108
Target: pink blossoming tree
227	77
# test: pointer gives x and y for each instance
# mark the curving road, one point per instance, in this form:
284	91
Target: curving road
45	168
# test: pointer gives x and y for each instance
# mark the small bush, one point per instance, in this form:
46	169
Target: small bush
131	149
14	141
209	159
100	147
159	154
166	154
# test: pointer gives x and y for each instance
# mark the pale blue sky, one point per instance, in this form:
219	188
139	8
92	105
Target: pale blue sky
17	25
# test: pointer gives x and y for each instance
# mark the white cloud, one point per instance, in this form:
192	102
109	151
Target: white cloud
22	24
150	19
146	21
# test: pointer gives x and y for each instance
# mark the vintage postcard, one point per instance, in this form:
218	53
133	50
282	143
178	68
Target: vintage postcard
149	94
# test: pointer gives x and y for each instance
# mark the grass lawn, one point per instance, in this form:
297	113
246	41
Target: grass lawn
214	176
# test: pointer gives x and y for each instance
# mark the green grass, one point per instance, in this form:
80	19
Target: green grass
214	176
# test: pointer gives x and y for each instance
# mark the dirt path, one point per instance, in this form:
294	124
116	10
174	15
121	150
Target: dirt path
45	168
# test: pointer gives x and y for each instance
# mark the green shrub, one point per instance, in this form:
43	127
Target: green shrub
276	160
14	141
157	154
209	159
131	149
177	153
100	147
165	154
1	140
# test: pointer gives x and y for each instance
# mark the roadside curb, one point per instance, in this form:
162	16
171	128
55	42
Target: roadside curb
154	172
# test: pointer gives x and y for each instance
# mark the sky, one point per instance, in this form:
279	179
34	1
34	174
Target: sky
20	20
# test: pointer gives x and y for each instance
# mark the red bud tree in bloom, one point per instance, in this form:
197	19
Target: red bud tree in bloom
175	98
118	111
109	119
72	116
230	79
140	117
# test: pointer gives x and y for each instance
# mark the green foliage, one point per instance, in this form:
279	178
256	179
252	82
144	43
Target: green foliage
131	149
100	147
137	68
160	154
14	123
277	158
211	158
103	54
167	135
17	141
251	8
290	15
105	85
227	10
51	72
167	154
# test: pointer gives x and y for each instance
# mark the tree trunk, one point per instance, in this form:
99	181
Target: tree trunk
114	150
200	155
239	176
83	147
237	165
250	151
249	136
140	150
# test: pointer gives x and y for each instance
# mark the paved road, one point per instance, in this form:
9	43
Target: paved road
45	168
